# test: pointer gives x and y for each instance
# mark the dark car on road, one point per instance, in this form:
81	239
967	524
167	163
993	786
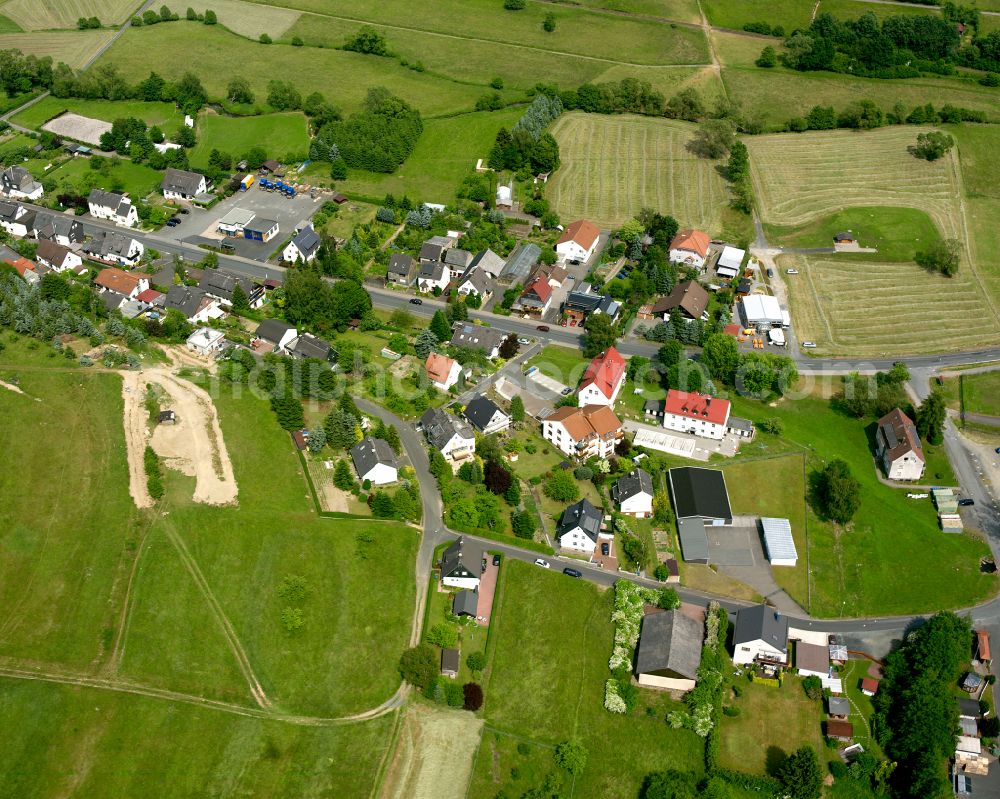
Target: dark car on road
543	328
572	572
416	301
965	503
173	221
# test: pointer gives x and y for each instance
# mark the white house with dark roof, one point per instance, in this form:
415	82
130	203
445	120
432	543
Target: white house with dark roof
196	306
221	284
457	261
462	565
579	527
486	416
180	184
18	183
114	248
434	248
112	206
402	269
760	634
477	337
303	246
60	228
433	275
475	281
489	262
58	258
17	220
634	494
375	461
309	346
451	436
898	447
276	333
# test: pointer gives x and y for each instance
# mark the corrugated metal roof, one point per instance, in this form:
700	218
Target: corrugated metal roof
778	539
693	538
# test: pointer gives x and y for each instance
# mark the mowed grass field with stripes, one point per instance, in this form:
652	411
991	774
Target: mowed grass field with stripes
49	14
852	306
613	166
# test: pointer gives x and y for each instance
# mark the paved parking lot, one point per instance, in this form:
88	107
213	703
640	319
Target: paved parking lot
199	225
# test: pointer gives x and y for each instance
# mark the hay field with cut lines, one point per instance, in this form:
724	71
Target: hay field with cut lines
253	19
39	15
613	166
856	308
851	307
73	47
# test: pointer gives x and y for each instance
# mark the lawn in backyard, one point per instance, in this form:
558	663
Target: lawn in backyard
349	216
897	233
549	651
772	723
283	136
878	562
214	54
60	739
472	637
79	175
564	364
165	115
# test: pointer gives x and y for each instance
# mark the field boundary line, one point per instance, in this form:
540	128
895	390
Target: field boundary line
117	654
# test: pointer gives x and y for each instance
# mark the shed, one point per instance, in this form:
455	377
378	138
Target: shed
839	706
968	708
669	651
844	237
693	539
167	417
969	727
840	729
983	647
971	682
778	541
730	261
466	603
869	686
449	662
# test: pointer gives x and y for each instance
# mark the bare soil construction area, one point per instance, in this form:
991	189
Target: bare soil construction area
193	445
434	754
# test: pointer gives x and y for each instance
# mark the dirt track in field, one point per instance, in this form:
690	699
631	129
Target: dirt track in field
193	445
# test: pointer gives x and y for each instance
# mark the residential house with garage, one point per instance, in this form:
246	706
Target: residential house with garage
477	337
180	184
584	302
402	269
442	370
760	636
112	206
634	494
536	297
603	380
18	183
462	565
303	246
114	248
309	346
579	527
578	242
273	335
591	431
689	298
486	416
16	219
448	434
690	248
698	414
669	651
206	341
898	448
59	258
433	275
196	306
128	284
221	284
60	228
374	461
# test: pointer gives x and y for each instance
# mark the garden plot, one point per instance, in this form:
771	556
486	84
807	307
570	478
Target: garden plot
78	127
613	166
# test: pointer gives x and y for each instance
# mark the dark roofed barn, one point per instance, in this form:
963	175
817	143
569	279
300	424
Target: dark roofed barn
700	492
669	651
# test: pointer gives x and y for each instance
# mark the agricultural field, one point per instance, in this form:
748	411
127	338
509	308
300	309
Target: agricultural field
613	166
977	146
252	19
776	95
165	115
897	233
877	563
792	14
679	10
7	25
980	392
62	740
38	15
549	648
214	54
279	135
74	48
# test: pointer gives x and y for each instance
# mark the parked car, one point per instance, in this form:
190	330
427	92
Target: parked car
524	341
543	563
572	572
185	210
543	328
567	391
791	271
496	560
770	272
997	450
173	221
809	345
416	301
966	503
605	549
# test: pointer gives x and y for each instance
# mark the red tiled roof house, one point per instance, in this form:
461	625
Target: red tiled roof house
699	414
603	379
689	247
578	241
